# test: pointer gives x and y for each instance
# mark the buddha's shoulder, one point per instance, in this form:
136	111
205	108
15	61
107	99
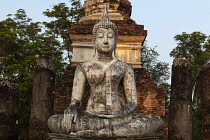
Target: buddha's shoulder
89	64
95	63
127	65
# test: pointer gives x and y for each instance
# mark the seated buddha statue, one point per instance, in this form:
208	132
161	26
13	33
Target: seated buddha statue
108	112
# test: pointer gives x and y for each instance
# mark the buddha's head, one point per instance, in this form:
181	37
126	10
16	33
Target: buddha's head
105	35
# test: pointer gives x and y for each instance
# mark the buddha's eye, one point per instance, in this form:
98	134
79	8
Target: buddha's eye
110	35
100	35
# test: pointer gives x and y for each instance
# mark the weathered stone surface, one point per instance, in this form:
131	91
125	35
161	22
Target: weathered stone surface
56	136
204	79
180	115
8	110
42	99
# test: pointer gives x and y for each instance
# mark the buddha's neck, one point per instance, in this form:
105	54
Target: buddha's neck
104	57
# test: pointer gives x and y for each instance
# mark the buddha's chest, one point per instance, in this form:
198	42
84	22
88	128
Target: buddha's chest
104	73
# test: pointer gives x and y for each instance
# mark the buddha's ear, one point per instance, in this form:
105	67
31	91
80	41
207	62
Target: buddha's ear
115	49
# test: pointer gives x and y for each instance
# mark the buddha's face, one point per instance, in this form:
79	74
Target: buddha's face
105	41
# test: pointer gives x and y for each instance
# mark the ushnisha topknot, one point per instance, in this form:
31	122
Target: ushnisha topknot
105	23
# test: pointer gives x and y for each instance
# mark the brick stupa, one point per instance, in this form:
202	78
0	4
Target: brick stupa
131	36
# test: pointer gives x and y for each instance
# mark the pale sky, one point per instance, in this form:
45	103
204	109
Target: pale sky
162	18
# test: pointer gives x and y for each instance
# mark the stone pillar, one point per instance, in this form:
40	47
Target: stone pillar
8	110
180	113
42	99
205	101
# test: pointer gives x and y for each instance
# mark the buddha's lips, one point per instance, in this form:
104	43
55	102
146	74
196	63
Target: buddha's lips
105	46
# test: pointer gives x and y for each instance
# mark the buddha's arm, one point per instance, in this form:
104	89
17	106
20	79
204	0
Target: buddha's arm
78	85
130	91
70	114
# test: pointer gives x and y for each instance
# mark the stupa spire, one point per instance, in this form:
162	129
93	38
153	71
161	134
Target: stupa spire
118	9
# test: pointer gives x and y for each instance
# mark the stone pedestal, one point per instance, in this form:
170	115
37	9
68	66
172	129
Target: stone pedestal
55	136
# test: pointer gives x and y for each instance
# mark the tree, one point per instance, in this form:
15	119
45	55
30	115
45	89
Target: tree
22	42
194	47
63	17
159	71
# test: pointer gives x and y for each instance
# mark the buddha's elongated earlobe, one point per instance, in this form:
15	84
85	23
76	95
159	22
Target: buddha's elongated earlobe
94	50
115	51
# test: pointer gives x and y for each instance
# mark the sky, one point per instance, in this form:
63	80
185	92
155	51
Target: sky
163	19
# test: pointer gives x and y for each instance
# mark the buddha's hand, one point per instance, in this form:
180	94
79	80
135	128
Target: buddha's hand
70	115
127	109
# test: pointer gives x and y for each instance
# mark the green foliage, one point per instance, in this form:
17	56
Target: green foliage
21	43
197	123
64	16
159	71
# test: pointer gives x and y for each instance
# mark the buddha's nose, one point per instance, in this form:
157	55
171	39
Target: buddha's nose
105	40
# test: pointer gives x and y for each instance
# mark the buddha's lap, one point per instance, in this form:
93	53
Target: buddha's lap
89	122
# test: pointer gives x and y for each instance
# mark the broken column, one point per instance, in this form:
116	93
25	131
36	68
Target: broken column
8	110
180	114
205	101
42	99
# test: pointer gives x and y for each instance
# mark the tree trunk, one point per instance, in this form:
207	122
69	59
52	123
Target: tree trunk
42	99
205	101
8	110
180	115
